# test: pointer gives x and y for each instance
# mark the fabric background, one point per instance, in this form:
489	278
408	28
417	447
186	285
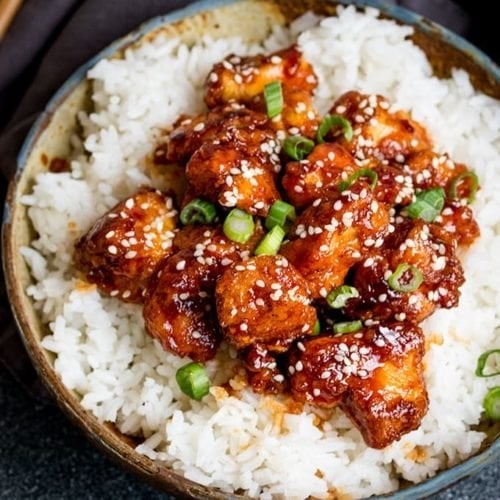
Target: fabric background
41	454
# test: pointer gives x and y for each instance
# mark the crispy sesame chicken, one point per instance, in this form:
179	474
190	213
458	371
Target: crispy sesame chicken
307	180
266	301
333	234
379	134
417	244
241	79
122	249
376	375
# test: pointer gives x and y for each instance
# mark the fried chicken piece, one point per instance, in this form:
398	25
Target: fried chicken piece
230	123
333	234
179	306
307	180
459	223
393	186
414	243
375	375
379	133
122	249
264	300
228	174
263	372
298	116
240	79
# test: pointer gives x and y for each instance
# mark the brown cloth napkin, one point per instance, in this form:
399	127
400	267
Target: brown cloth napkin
49	39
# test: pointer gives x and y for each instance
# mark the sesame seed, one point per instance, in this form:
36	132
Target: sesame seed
301	346
316	392
244	327
326	374
260	283
279	378
109	234
112	250
180	266
184	296
130	203
196	334
299	366
130	254
126	294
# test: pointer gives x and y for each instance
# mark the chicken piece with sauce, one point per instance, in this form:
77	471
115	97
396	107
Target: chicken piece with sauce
122	249
264	301
179	308
414	273
264	374
379	134
241	79
333	234
375	375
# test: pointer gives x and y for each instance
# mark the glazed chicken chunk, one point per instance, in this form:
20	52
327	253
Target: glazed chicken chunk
241	79
264	300
379	133
416	272
122	249
333	234
375	375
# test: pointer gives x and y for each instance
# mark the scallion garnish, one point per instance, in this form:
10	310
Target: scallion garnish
455	184
406	278
347	327
279	214
193	380
298	147
316	328
274	99
491	403
238	226
362	172
481	363
271	242
335	122
339	296
427	206
198	212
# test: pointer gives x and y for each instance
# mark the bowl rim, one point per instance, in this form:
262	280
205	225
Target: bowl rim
428	487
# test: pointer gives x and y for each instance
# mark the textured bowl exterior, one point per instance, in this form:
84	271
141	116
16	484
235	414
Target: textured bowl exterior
251	19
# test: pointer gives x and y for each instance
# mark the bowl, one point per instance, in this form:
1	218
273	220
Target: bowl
49	137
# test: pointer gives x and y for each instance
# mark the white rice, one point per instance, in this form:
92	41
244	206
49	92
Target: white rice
252	443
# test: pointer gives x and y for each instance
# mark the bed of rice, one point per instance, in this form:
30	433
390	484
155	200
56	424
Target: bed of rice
252	443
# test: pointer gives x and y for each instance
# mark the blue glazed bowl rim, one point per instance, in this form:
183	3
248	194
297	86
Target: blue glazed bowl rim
445	478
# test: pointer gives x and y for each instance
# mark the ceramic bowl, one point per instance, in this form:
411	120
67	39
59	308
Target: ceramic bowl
49	137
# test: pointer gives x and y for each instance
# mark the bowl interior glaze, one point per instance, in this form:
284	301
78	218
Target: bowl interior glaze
49	137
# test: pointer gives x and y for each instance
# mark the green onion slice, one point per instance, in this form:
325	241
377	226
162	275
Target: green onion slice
198	212
481	363
271	242
339	296
362	172
406	278
193	380
491	403
316	328
347	327
298	147
238	226
279	214
274	99
456	183
335	122
427	206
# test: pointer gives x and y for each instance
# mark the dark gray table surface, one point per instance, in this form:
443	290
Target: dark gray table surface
43	456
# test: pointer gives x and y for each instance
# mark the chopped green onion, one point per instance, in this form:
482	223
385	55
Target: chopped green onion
316	328
193	380
427	206
238	226
455	183
362	172
298	147
198	211
491	403
274	99
481	363
347	327
338	297
334	121
271	242
406	278
279	213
